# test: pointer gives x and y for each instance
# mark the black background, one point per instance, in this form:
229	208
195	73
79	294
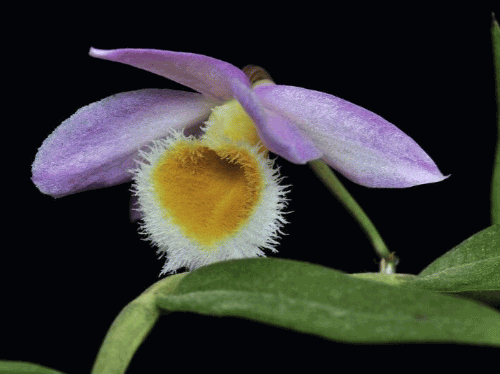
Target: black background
69	265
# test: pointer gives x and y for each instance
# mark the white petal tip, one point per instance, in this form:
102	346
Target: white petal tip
94	52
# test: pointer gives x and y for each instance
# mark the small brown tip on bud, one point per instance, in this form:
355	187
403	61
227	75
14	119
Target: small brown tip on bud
256	73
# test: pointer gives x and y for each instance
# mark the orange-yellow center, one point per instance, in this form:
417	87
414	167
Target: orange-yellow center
208	193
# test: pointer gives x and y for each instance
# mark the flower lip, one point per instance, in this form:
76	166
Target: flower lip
202	205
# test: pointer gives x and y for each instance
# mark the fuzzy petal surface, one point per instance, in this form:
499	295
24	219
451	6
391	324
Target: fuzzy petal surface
277	132
361	145
98	144
204	74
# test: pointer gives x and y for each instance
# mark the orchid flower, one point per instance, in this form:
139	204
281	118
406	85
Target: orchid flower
217	196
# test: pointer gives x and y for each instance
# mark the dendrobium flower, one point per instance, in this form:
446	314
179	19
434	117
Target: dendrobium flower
217	196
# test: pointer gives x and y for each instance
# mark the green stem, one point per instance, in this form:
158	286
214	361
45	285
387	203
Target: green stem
495	183
326	175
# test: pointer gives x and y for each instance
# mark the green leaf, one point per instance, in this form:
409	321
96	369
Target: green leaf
317	300
393	279
473	265
20	367
130	328
495	186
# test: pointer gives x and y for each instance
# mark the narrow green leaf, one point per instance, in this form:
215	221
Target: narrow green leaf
325	302
473	265
20	367
130	328
495	186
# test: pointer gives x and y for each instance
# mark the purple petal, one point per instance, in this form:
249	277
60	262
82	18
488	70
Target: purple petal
97	145
277	133
204	74
361	145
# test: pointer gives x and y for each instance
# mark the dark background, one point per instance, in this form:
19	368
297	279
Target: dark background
69	265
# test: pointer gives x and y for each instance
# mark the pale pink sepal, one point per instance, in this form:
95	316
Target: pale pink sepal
97	145
360	144
204	74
